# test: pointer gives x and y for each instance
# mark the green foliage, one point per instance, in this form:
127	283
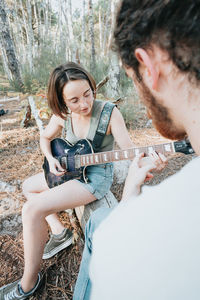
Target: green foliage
100	71
127	108
4	89
14	86
46	61
126	85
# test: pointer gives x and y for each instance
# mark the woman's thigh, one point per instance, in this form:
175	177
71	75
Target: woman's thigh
67	195
35	184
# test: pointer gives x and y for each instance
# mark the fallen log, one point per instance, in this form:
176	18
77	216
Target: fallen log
27	117
35	113
10	99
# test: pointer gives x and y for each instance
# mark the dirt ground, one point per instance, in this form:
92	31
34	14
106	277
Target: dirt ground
20	158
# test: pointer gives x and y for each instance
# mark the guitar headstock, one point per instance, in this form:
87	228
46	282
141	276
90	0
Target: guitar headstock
183	146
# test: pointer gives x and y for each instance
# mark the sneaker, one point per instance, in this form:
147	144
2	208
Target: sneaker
57	242
13	291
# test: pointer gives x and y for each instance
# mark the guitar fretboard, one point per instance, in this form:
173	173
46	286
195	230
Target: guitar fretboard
128	154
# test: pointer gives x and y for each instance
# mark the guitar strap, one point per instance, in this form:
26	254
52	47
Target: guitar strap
102	125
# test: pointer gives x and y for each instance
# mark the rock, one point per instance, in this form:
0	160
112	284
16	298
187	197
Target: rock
8	206
6	187
11	225
121	171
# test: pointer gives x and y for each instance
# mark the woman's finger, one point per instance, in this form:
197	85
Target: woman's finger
56	172
162	157
149	176
58	165
138	157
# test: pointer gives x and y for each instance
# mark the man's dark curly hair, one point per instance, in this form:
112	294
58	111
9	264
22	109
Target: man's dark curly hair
173	25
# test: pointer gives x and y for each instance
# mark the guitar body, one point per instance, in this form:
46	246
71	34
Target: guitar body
66	153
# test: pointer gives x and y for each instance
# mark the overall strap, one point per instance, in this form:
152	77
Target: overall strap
64	130
102	125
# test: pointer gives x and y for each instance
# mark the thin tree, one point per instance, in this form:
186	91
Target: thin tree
28	36
83	30
8	46
106	26
91	34
18	34
5	62
72	41
100	28
114	69
30	33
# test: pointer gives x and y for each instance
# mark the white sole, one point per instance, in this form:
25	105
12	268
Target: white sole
57	249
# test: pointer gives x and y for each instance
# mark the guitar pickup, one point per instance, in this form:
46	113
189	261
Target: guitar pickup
77	161
63	162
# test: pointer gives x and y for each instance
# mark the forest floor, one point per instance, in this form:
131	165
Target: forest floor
20	158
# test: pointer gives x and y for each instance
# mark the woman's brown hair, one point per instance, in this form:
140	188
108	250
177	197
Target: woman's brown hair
58	78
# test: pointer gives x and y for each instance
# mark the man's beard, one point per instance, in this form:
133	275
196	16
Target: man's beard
159	115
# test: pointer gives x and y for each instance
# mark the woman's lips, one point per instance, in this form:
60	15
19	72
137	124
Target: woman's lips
84	110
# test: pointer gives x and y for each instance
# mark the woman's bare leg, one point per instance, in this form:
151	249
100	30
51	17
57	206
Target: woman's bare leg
37	184
55	223
39	205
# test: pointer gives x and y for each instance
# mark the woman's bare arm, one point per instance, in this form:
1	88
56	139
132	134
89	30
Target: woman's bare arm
119	130
53	128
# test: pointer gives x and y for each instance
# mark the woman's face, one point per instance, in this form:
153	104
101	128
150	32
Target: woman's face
78	96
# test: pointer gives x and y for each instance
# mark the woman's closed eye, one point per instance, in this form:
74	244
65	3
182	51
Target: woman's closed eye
75	100
87	94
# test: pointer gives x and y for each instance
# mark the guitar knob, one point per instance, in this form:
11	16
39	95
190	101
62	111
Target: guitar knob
191	151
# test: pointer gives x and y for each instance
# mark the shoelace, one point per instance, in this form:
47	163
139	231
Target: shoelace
12	295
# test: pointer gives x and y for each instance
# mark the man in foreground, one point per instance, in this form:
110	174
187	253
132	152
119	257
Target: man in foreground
149	245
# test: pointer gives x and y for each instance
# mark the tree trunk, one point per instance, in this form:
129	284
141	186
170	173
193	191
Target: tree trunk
66	26
28	39
19	40
8	46
106	27
112	90
91	33
46	16
30	35
40	28
36	17
5	63
100	28
71	33
114	69
83	32
113	8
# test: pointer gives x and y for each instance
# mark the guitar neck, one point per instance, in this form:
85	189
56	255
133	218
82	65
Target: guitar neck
128	154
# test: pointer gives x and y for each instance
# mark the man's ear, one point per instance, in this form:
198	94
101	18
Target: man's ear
146	61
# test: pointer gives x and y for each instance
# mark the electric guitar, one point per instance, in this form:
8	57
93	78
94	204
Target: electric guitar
75	158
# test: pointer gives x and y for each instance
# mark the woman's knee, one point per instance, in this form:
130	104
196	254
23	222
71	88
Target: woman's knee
31	212
34	185
26	187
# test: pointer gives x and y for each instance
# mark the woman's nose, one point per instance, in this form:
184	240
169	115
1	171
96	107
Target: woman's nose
83	103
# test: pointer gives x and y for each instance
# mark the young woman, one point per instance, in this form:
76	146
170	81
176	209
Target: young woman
71	97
